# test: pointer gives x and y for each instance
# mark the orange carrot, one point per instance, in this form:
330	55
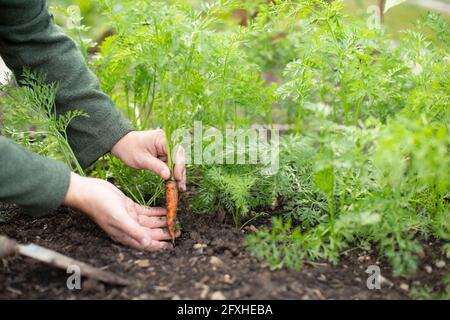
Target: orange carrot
171	205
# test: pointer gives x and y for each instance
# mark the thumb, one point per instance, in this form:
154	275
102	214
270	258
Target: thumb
157	166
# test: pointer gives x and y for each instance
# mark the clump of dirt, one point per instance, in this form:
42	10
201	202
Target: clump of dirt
209	262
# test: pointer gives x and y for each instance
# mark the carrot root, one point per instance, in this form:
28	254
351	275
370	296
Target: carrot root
171	205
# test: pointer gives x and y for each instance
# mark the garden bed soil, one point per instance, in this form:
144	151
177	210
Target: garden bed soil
209	262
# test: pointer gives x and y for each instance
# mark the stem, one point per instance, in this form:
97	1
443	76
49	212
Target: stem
323	89
358	109
235	116
187	67
124	184
236	217
145	116
300	104
222	90
299	118
332	33
167	128
135	94
63	139
257	215
331	209
344	102
159	191
127	100
269	120
152	103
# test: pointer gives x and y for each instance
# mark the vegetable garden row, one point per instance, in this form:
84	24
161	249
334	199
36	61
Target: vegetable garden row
363	155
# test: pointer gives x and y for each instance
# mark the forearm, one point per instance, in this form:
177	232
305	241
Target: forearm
37	184
29	38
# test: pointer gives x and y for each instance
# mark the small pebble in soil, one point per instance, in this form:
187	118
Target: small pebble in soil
428	269
199	247
363	258
143	296
142	263
251	228
161	288
322	278
440	264
120	257
227	279
404	287
217	295
216	262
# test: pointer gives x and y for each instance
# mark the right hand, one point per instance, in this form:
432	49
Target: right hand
122	219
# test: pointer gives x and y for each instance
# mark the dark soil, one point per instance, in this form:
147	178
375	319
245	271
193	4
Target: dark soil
186	272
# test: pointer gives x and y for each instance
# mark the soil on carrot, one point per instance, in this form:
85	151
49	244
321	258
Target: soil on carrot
209	261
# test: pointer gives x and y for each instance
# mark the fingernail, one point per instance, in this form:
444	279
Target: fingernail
146	242
165	172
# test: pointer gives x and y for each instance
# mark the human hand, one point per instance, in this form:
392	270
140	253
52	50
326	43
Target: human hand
122	219
147	150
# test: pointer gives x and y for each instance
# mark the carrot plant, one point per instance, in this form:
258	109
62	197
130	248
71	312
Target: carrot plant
226	189
377	178
169	72
29	118
205	74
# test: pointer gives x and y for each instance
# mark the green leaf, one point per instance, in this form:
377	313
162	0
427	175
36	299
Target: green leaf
392	3
324	180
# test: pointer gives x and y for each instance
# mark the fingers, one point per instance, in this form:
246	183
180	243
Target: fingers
150	211
179	170
160	142
152	222
182	183
154	244
134	230
157	238
157	166
155	143
162	234
159	245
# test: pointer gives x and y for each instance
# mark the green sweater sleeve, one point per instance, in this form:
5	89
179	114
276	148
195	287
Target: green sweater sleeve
35	183
29	38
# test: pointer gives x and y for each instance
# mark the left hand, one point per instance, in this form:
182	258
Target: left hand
122	219
147	150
